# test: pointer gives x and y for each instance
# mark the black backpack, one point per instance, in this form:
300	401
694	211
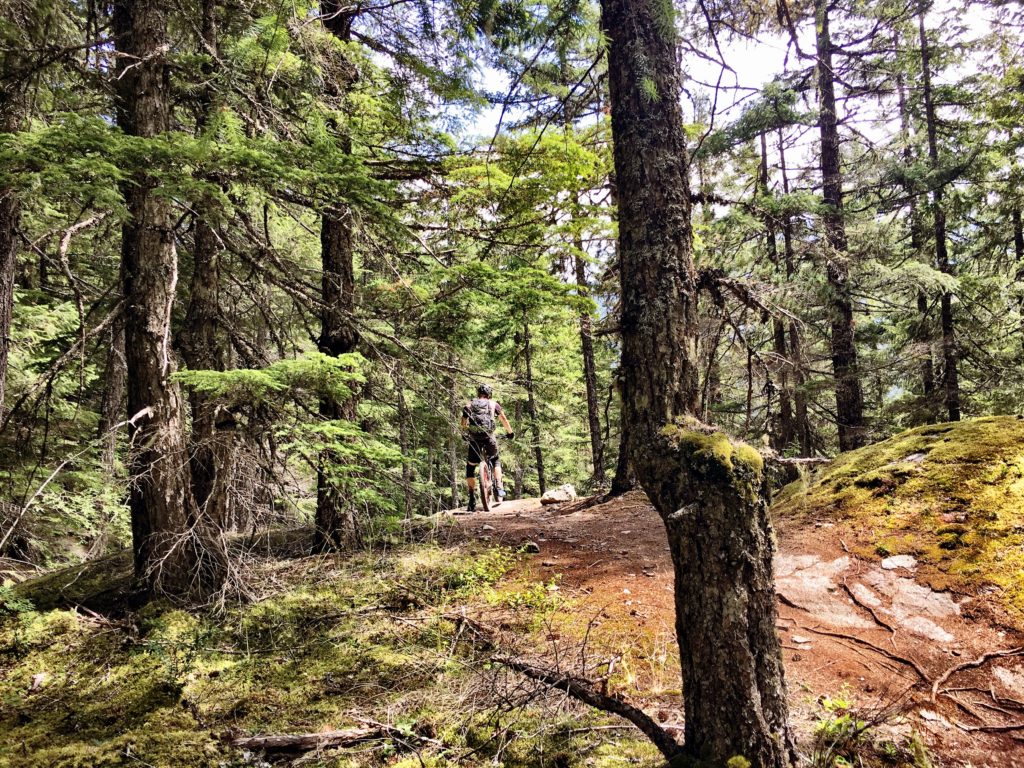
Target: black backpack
481	415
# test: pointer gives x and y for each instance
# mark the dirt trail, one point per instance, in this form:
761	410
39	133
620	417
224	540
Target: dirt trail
867	629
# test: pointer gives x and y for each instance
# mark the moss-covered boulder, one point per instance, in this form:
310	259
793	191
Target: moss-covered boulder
951	495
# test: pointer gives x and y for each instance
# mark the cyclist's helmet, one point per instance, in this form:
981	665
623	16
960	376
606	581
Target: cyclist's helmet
484	390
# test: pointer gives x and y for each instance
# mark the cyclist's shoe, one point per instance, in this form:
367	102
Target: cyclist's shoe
471	507
500	497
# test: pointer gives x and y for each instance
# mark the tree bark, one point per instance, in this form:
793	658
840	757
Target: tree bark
710	493
10	215
849	396
168	550
783	434
112	406
922	332
802	424
455	414
589	370
404	438
624	480
950	378
11	118
531	406
335	516
212	449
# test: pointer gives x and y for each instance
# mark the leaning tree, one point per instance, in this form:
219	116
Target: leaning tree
709	491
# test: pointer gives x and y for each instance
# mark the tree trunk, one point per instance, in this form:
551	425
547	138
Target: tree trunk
11	116
849	397
710	493
455	413
922	332
589	370
782	434
170	553
950	379
1018	253
335	516
802	424
212	449
112	407
10	215
625	479
404	440
520	471
531	406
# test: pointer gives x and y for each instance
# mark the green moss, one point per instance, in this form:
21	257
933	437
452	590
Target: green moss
952	495
337	640
715	448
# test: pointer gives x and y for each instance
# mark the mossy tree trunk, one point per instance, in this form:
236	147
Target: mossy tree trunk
710	493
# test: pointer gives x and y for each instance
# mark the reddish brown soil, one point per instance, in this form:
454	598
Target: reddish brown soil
611	562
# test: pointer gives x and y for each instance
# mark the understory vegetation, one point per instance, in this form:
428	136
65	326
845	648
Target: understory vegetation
381	638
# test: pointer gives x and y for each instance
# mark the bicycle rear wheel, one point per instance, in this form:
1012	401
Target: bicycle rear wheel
485	486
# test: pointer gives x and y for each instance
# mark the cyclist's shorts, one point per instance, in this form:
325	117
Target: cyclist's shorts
480	445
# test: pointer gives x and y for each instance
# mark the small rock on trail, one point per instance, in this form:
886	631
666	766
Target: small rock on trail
559	495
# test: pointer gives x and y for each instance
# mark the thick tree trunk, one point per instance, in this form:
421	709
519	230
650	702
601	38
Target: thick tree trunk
950	379
335	517
531	406
710	493
169	550
849	397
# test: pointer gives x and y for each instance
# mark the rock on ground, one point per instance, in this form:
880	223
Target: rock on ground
559	495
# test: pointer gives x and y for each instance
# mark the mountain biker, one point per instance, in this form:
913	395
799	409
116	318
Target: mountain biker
478	425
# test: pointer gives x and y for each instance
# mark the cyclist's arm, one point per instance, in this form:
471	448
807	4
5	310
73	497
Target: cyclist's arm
504	422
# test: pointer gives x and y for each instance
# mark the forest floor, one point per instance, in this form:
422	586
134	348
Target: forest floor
861	637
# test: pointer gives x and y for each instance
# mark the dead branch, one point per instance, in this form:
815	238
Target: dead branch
586	691
305	742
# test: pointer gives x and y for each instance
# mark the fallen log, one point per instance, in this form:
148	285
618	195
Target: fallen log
306	742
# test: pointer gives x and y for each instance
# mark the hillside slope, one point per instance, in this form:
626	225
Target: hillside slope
949	495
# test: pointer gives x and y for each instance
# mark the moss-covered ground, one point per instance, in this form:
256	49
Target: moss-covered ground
951	495
330	644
